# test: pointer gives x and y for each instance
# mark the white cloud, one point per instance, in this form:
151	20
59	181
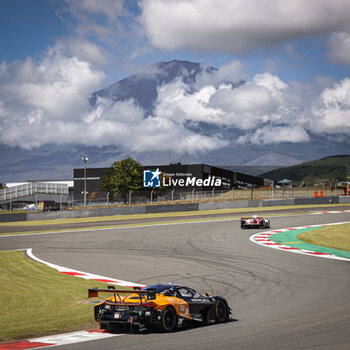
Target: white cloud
331	110
176	102
96	17
104	32
122	125
339	47
38	95
57	85
232	71
109	8
265	98
239	25
85	50
46	102
275	134
266	109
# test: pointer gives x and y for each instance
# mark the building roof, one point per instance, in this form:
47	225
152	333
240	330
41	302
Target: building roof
285	181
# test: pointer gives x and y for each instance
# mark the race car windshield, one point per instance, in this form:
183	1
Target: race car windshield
188	293
159	288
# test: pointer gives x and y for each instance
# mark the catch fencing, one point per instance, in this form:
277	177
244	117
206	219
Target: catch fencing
177	197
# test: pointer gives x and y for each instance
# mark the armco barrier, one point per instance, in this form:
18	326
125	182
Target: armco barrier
13	217
85	213
66	214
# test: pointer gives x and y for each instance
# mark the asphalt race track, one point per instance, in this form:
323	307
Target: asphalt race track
280	300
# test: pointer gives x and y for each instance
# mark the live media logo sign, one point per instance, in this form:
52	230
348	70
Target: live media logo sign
151	178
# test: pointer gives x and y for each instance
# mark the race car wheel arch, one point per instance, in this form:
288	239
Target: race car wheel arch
221	311
168	319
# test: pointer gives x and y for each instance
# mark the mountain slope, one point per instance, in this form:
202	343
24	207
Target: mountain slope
142	87
274	159
329	169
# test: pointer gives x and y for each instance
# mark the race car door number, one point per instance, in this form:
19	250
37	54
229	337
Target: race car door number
116	315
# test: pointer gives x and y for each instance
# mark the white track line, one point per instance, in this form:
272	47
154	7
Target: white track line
81	274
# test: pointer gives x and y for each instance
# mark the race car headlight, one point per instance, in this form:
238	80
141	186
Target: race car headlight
107	307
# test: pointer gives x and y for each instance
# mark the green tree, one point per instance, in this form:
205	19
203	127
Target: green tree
1	186
123	176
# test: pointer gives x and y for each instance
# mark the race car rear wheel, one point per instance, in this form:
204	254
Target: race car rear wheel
168	319
221	311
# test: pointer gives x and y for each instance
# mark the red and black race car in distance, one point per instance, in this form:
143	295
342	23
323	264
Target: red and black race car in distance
165	307
255	222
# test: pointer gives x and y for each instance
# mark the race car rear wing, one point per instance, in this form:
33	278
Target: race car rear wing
259	217
149	293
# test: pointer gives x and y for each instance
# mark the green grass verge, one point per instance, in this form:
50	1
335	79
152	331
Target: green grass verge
335	237
36	300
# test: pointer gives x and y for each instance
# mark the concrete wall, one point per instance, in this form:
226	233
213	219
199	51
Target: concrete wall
276	202
344	199
171	208
223	205
67	214
245	204
319	200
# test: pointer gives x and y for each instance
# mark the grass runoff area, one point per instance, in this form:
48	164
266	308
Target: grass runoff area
335	237
36	300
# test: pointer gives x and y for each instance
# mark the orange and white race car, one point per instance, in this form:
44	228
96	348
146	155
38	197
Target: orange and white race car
165	306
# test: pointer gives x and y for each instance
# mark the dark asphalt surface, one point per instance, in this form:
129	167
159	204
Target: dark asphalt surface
38	226
280	300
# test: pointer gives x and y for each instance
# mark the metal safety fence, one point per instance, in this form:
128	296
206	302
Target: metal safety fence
214	195
32	188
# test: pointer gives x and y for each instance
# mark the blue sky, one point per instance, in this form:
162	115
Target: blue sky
294	56
28	28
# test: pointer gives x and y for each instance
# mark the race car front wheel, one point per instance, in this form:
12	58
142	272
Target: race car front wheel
221	311
168	319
